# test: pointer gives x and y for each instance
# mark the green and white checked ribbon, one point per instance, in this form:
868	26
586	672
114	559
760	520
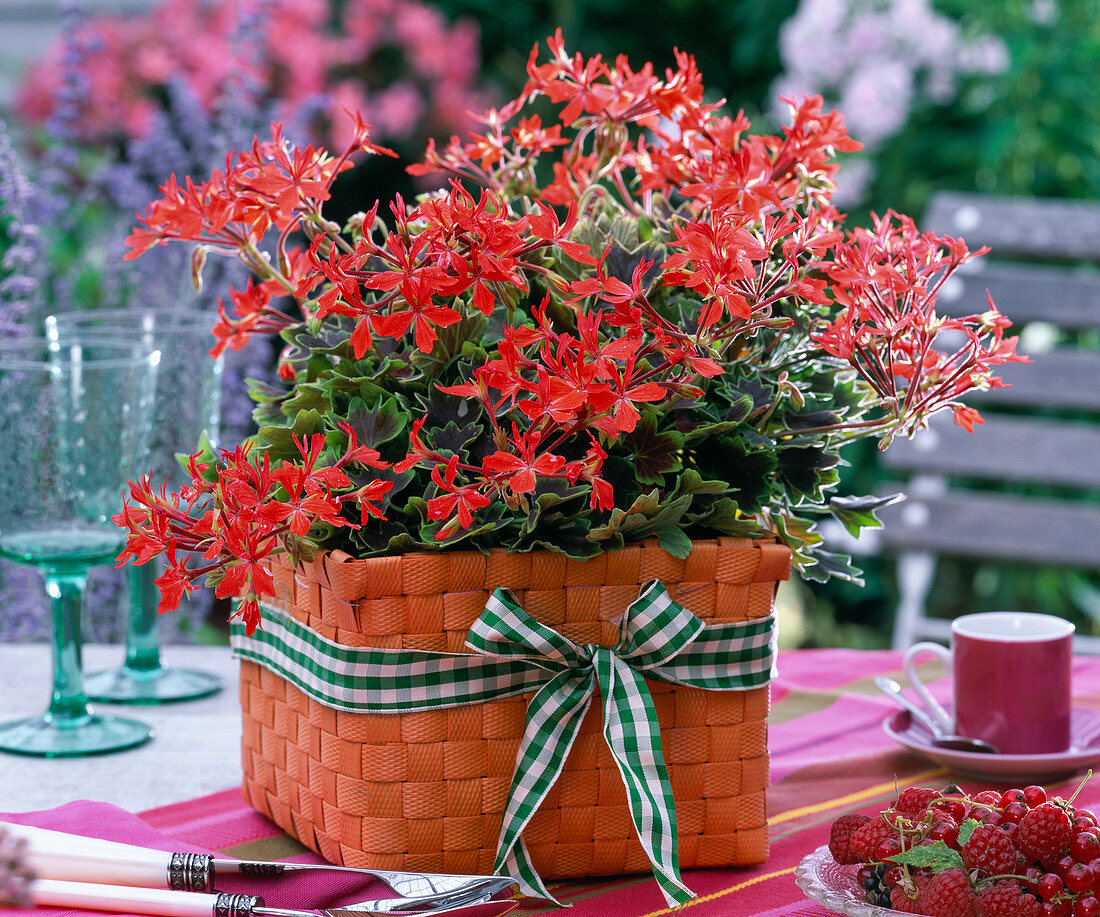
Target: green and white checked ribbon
515	654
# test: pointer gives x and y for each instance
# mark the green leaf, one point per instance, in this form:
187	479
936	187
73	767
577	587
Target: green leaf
936	856
829	564
856	513
804	469
691	482
739	409
704	431
749	471
261	391
452	439
724	518
965	830
378	424
645	517
675	541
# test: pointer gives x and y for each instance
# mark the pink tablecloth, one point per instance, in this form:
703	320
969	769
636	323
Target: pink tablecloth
829	755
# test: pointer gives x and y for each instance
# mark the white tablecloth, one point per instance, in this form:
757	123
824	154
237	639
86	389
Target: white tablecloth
196	749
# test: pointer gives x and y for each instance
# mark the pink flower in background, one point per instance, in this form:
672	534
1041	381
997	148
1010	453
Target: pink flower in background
399	61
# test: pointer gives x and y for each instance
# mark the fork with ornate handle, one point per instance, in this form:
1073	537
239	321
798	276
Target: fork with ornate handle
56	855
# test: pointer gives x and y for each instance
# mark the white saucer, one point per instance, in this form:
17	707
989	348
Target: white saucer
1083	752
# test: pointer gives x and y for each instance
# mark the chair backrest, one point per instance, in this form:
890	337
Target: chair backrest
1040	437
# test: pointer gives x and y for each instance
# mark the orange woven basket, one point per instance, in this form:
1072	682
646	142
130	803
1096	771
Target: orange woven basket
426	791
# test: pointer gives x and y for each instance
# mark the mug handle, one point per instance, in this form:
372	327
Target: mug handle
940	715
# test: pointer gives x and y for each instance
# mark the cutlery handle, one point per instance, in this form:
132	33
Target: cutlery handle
255	868
55	855
125	900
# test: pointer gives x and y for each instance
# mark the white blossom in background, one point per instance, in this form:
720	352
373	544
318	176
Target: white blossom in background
875	60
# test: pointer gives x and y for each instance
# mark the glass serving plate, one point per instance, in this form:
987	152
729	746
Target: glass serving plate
834	886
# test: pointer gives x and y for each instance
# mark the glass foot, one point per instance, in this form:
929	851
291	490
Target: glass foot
59	737
162	685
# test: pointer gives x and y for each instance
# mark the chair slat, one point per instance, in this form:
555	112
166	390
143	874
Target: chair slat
1024	449
996	527
1059	380
1029	227
1026	293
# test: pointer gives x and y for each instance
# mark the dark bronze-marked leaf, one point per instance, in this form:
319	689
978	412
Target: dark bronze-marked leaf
655	453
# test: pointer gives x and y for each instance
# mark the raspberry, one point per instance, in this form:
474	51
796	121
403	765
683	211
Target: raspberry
989	850
915	800
948	894
900	900
1045	832
1006	899
868	836
840	837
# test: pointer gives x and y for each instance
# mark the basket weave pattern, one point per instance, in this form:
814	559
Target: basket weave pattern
426	791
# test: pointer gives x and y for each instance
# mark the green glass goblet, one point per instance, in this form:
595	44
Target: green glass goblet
74	428
186	407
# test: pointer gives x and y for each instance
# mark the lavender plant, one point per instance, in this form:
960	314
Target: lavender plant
87	198
20	245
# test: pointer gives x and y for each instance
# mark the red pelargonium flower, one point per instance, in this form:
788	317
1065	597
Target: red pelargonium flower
461	500
718	262
887	280
270	185
251	512
522	468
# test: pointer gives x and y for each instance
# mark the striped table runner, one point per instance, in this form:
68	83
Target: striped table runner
829	755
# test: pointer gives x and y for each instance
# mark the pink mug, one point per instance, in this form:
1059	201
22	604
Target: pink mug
1011	673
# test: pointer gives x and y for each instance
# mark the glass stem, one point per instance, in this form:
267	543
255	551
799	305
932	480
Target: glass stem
68	705
142	642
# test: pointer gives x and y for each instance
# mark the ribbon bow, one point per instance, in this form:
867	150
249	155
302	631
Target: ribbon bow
659	639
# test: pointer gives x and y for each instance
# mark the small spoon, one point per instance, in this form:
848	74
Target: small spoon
940	739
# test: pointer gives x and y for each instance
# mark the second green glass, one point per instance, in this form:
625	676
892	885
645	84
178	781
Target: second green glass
187	405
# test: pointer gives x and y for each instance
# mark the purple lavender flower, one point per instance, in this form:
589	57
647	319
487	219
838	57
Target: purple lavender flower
20	248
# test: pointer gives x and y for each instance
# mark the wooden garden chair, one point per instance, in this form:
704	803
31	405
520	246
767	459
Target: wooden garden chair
1023	488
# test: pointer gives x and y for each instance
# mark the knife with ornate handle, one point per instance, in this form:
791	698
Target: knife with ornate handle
159	902
56	855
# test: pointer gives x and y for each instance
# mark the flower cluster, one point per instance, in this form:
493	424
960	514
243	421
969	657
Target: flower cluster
637	321
235	519
397	61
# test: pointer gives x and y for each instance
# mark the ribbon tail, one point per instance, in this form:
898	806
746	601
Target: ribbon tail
517	864
553	720
633	735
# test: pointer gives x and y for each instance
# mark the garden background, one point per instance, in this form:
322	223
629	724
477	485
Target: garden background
102	100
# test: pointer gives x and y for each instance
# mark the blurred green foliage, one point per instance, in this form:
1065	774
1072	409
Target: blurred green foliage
734	42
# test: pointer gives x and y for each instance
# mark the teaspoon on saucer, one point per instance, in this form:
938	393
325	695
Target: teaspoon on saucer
940	739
